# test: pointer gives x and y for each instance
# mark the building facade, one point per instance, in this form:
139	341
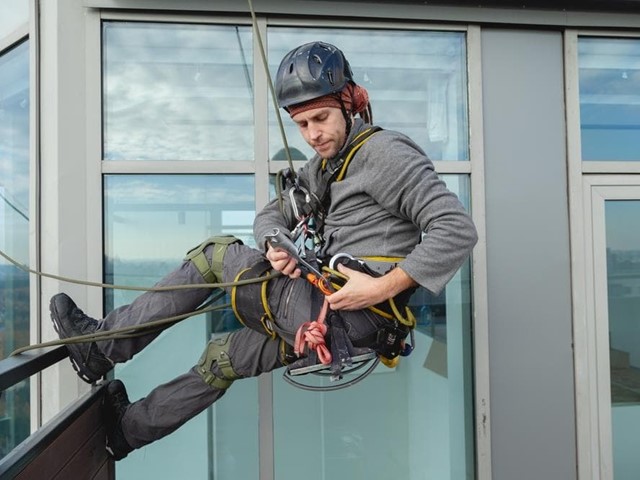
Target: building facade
132	130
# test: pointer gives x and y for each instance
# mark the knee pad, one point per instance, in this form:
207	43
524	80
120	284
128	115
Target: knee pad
217	354
211	272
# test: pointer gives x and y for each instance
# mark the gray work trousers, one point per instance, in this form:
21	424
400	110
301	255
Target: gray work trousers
251	352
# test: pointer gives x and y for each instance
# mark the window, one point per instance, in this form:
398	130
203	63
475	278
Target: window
185	93
623	299
14	234
416	81
13	14
151	221
609	73
177	92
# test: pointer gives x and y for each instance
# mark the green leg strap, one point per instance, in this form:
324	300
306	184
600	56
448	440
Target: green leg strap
216	353
212	273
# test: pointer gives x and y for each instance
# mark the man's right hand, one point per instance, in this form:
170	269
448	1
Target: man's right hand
282	262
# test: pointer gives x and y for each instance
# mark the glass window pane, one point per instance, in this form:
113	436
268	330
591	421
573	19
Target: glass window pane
411	422
623	285
14	234
13	14
416	80
151	221
609	99
177	92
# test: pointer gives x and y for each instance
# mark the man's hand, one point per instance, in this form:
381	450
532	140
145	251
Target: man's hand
282	262
362	290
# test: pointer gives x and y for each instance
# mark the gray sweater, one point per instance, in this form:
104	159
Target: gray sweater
391	203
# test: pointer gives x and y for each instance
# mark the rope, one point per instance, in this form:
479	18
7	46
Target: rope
138	330
166	288
265	64
311	335
121	333
409	321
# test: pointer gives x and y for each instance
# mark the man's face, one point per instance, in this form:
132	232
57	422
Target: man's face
324	129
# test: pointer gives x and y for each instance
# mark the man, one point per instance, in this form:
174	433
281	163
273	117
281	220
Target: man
388	204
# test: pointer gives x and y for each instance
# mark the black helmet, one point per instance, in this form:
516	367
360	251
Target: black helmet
311	71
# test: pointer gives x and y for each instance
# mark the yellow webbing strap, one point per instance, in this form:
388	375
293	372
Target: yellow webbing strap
267	316
267	311
212	273
365	135
353	148
408	319
234	292
376	258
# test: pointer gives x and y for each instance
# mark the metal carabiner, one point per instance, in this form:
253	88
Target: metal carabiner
337	256
294	204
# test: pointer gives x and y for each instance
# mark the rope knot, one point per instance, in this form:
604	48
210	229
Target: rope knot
311	335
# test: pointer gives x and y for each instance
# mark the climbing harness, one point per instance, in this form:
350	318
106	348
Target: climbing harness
342	357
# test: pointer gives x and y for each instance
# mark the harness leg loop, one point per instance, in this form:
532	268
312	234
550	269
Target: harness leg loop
211	272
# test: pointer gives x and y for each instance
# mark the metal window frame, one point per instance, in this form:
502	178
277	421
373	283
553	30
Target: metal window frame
28	31
593	437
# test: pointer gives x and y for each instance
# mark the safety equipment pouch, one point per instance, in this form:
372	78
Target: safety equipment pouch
390	341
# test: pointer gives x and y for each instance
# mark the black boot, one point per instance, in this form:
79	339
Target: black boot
69	321
116	402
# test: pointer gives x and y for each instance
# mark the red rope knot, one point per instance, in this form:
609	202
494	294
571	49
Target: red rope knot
311	335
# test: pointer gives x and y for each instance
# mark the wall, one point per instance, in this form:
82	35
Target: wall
530	355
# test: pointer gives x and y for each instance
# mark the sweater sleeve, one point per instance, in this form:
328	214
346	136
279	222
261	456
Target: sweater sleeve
412	190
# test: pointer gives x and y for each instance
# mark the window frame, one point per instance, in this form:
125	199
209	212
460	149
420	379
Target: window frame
593	452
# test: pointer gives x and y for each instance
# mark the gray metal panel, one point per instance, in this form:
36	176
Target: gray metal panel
619	15
578	5
529	296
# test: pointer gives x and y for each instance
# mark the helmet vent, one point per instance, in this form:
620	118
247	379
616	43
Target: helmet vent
330	77
317	59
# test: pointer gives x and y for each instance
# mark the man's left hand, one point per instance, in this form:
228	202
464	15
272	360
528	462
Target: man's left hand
362	290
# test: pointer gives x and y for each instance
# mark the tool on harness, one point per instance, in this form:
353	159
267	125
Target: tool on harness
387	344
342	354
278	239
